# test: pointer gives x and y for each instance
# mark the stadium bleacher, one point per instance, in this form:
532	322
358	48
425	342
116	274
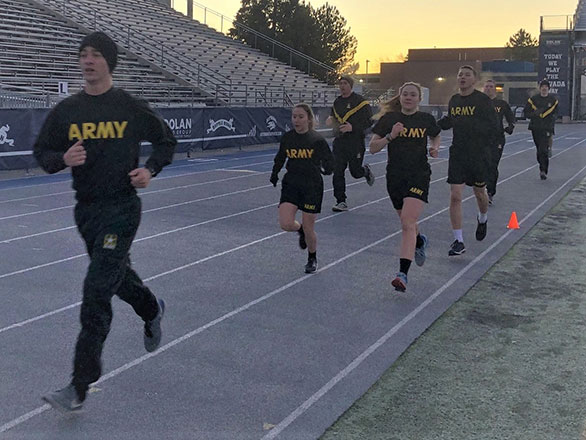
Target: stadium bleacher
166	57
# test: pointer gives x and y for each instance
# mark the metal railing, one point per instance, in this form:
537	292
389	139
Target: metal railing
294	57
208	80
553	23
219	87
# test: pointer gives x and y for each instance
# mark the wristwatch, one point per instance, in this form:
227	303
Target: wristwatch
388	137
152	170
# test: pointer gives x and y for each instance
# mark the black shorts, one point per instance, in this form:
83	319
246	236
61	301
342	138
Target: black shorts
305	193
401	185
469	167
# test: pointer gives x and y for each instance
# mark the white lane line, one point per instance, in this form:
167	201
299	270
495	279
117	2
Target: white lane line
6	275
247	244
158	191
9	240
230	250
281	426
21	271
308	403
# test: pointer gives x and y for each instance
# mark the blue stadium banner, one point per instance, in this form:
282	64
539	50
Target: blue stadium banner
554	65
18	131
195	128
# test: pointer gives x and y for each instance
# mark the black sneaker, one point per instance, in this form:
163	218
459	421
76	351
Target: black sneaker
368	175
490	198
152	329
65	400
481	230
457	248
302	242
311	266
543	175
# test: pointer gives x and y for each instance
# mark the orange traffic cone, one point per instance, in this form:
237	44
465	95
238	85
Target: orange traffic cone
513	223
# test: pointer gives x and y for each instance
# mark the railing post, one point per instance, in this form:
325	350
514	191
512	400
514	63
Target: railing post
273	49
291	58
205	15
222	24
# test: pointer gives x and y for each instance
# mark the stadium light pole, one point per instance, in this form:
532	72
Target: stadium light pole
366	78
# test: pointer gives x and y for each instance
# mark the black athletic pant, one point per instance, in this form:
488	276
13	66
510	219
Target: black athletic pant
493	171
108	230
348	153
541	139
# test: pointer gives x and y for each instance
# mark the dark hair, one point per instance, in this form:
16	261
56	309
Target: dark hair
470	68
490	81
347	79
307	109
544	82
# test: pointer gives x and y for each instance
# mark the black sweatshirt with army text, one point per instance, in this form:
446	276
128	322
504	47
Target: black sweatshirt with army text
473	121
308	155
112	126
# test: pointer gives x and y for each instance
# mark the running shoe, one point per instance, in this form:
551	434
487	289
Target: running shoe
368	175
400	282
340	207
311	266
543	175
65	400
152	329
490	197
457	248
420	251
481	230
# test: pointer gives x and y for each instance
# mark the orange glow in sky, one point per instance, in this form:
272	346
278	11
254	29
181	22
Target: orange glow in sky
385	29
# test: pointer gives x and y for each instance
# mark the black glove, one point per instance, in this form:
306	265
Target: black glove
326	171
274	179
509	129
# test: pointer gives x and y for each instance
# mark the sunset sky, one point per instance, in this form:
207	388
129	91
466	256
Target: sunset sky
386	28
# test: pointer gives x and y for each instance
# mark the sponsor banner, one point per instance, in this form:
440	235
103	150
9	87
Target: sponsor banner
554	65
194	128
18	131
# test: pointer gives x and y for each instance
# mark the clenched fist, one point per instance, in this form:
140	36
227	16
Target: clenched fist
76	155
140	177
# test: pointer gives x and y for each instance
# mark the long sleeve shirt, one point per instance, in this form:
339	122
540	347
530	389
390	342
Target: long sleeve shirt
542	112
503	112
308	155
473	121
355	110
112	126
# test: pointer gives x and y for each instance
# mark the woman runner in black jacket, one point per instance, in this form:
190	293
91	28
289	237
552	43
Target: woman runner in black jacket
308	156
404	130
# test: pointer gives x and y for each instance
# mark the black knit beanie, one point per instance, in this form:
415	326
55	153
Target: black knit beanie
100	41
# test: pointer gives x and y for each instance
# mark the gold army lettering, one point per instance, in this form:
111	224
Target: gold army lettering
417	191
299	153
413	132
467	110
101	130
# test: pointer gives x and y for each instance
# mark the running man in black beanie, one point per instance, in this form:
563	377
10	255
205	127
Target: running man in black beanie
541	109
97	133
351	117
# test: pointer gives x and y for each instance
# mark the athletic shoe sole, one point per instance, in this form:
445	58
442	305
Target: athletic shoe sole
398	285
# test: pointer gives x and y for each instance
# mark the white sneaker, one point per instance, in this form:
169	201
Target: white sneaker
340	207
